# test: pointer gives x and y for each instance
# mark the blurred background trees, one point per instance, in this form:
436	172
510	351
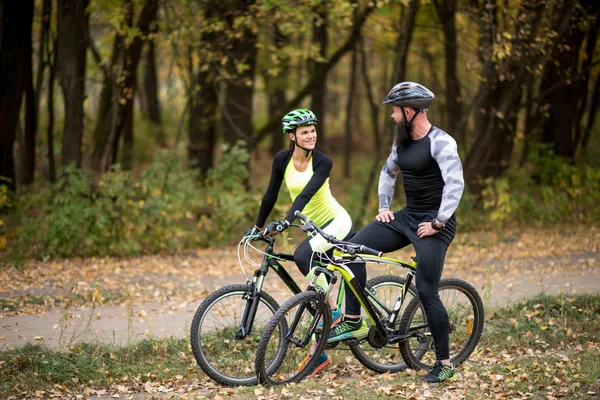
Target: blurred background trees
110	85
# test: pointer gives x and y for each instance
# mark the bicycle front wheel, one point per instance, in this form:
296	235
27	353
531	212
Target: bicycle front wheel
383	292
465	317
223	351
301	346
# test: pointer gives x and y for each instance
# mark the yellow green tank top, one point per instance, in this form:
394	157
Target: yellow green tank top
322	206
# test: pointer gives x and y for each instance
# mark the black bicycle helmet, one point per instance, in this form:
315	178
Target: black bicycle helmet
410	94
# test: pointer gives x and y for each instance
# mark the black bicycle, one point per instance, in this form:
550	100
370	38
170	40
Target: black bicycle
228	324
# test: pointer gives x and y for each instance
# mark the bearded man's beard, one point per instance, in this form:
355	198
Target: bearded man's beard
403	137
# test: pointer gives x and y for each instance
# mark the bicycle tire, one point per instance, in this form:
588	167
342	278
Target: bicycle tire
465	326
286	369
225	359
387	358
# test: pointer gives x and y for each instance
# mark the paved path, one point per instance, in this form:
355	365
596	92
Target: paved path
510	282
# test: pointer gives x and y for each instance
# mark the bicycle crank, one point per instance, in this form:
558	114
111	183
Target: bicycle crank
375	338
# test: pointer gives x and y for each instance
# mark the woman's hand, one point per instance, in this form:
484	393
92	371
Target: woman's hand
276	227
425	229
385	216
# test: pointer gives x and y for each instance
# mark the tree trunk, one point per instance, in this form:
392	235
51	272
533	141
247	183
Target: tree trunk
592	111
499	96
71	20
15	40
446	10
126	83
277	86
350	115
407	24
237	103
29	134
52	60
202	129
584	76
114	114
127	157
319	91
42	50
373	106
557	130
276	99
105	113
150	94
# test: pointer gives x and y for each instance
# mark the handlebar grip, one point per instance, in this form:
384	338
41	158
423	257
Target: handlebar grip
368	250
298	214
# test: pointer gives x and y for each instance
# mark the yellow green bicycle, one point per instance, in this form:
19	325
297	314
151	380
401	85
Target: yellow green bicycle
398	335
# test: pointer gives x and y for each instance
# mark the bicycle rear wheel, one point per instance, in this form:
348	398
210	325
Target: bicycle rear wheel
220	350
383	293
466	318
301	314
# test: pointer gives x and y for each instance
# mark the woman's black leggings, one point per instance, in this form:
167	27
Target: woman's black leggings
431	252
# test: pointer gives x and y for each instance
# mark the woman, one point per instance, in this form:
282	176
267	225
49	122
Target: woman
305	172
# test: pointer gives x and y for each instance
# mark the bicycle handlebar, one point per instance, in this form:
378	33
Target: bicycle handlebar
350	248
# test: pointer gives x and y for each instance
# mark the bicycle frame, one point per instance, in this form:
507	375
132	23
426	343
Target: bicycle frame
338	265
270	260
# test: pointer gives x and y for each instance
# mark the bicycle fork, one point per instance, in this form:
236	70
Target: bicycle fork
316	313
252	298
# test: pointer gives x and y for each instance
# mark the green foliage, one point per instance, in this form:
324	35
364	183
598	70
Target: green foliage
550	191
165	209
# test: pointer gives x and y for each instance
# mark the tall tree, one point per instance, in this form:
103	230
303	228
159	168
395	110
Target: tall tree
27	150
149	89
446	11
203	119
350	107
104	121
506	66
353	37
276	87
203	100
319	90
405	34
117	94
558	127
236	105
52	66
15	40
71	20
126	83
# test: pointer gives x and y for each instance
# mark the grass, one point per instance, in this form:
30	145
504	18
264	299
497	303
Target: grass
75	299
545	348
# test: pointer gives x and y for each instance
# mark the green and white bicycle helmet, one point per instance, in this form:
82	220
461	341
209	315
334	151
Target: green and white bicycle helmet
296	118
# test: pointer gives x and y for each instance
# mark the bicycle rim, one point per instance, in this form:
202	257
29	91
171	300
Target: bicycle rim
216	343
299	349
465	316
387	290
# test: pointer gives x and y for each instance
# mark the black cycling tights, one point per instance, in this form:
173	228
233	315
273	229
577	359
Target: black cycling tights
431	252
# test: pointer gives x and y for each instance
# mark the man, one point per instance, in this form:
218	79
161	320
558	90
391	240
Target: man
433	184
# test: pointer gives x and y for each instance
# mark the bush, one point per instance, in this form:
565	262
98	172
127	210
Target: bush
165	209
554	191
